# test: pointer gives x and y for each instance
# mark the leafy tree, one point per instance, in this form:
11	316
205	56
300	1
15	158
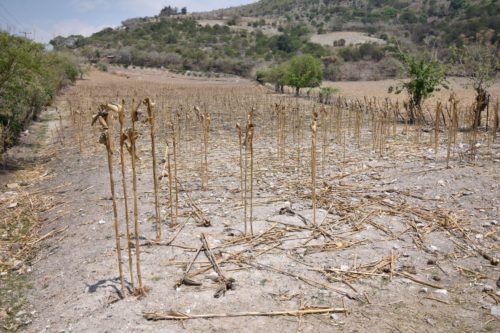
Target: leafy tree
456	4
276	75
288	43
425	76
304	71
168	11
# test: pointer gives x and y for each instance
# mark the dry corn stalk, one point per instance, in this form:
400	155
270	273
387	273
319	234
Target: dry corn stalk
173	217
174	148
248	143
205	120
314	131
132	137
151	119
121	119
238	127
105	138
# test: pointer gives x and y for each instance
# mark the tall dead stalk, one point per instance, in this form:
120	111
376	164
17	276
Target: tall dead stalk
174	148
173	217
205	124
132	137
121	119
240	138
314	132
436	127
151	119
248	143
105	138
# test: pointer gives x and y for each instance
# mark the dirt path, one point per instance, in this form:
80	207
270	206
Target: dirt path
393	226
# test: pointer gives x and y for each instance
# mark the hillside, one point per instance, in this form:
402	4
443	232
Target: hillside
240	39
420	22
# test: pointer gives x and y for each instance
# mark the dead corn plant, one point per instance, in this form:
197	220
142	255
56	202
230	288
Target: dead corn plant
436	127
240	140
105	139
132	136
151	120
176	187
314	134
121	119
248	143
205	120
173	217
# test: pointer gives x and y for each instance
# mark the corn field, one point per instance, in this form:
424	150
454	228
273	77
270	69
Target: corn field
228	200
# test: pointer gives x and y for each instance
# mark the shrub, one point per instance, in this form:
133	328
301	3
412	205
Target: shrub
29	79
102	66
425	77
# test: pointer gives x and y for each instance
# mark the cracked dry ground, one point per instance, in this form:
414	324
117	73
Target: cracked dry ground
400	240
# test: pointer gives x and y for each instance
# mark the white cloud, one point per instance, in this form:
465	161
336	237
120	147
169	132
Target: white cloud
66	28
76	27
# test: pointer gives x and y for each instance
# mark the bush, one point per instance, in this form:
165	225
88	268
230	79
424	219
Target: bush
366	51
425	77
325	94
339	42
29	79
102	66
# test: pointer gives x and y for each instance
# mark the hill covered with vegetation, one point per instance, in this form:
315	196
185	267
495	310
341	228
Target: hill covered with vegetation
242	39
432	22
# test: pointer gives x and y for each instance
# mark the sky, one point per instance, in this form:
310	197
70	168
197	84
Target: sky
43	20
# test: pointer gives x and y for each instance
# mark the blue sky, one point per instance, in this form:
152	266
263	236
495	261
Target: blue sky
45	19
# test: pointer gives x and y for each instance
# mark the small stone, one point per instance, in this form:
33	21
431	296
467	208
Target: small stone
12	205
213	276
20	313
433	248
333	316
487	289
430	321
436	278
495	310
101	222
441	292
424	290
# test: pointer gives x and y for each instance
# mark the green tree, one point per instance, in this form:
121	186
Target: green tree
425	76
276	75
304	71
